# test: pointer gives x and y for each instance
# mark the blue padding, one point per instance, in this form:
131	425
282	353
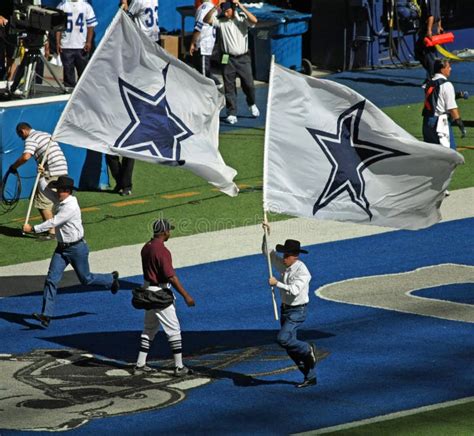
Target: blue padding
87	168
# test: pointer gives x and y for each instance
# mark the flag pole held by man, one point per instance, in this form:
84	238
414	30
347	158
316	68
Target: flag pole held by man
136	100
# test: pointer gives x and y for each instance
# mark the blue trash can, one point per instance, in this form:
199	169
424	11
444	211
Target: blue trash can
286	39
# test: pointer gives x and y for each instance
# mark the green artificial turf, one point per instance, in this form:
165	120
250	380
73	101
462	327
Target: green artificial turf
107	225
454	420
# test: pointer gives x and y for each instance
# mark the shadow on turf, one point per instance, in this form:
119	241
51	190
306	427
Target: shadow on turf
23	319
12	232
122	345
26	285
386	82
212	345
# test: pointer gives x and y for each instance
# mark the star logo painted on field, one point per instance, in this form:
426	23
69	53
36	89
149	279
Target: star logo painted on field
349	156
154	129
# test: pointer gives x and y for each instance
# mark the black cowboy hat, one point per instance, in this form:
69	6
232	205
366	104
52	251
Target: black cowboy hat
63	182
291	247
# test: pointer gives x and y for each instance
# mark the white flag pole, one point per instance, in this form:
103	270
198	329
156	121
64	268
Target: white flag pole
265	175
269	262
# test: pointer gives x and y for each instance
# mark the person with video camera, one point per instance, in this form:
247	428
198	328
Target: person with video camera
7	43
74	44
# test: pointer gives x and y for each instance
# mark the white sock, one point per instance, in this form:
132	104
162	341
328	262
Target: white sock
178	360
141	361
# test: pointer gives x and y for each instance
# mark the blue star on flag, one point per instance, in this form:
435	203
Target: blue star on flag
349	156
154	129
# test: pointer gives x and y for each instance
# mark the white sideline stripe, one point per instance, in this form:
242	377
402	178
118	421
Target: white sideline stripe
388	417
233	243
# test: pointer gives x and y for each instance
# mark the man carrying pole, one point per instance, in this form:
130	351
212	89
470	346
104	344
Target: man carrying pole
294	290
48	154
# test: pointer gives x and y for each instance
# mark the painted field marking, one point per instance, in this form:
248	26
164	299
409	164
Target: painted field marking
394	291
129	203
387	417
182	195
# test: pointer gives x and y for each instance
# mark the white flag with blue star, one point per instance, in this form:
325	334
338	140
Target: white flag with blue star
331	154
136	100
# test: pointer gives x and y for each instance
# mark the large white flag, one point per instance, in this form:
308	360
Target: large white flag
136	100
332	154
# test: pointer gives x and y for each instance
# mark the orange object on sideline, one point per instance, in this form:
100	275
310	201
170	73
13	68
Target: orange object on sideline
442	38
198	3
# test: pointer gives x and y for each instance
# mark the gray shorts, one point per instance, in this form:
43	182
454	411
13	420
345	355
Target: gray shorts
42	202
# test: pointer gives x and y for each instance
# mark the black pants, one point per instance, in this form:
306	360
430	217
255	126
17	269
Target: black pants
121	171
73	60
202	63
238	66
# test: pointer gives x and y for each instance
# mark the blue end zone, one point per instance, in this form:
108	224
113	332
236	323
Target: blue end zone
381	362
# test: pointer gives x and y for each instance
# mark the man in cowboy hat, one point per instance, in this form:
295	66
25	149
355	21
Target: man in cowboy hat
71	249
294	288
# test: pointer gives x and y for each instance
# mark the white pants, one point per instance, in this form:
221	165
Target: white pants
167	318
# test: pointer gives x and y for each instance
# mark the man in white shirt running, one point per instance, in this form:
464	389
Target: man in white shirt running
71	249
75	43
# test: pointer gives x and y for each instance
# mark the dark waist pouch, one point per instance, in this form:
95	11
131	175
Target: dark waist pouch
145	299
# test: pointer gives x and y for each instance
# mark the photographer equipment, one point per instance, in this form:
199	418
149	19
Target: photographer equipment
8	204
31	22
146	299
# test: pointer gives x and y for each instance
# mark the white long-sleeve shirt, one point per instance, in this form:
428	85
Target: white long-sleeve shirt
67	217
294	281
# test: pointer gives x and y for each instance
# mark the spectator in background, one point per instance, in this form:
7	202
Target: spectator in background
7	41
122	172
55	165
203	41
235	61
75	43
440	104
430	24
145	15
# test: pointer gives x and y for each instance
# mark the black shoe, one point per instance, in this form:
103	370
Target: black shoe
115	284
145	369
308	382
125	192
43	319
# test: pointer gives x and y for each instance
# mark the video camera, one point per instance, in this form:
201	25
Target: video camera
34	21
29	15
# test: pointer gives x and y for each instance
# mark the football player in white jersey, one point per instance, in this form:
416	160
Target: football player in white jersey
145	15
75	43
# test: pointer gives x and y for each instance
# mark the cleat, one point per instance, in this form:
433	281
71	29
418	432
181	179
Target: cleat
43	319
145	369
182	372
307	383
115	284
